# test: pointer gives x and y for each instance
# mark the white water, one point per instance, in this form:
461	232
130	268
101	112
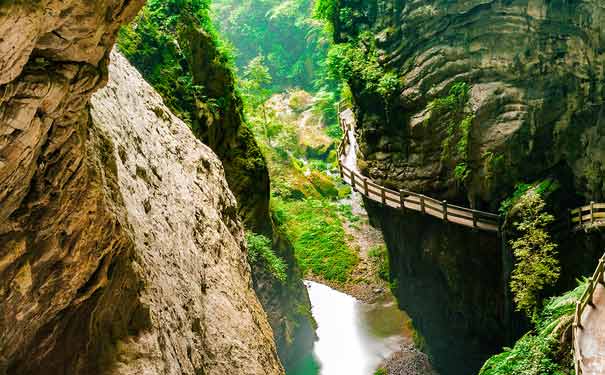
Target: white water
354	337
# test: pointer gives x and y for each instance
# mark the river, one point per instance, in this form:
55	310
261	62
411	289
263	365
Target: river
353	337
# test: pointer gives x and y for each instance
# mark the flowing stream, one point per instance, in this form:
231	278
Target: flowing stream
353	337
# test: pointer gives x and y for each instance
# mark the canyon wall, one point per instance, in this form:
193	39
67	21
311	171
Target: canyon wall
121	250
487	94
216	117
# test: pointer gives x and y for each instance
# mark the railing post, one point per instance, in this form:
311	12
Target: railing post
383	195
402	199
444	204
569	220
365	187
578	316
353	180
342	173
591	212
474	220
422	203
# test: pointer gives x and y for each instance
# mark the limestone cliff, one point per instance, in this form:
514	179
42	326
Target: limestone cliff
216	117
487	94
534	69
120	246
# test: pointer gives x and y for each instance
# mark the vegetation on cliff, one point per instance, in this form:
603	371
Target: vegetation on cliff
541	352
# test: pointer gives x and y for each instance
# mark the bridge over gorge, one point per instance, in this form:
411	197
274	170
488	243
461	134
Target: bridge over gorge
592	215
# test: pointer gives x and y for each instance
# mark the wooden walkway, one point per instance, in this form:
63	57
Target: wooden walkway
403	199
590	216
589	327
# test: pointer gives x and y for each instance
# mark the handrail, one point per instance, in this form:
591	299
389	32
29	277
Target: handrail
403	199
585	300
586	216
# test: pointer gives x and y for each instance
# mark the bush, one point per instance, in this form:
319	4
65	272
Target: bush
381	371
354	62
261	252
536	265
539	351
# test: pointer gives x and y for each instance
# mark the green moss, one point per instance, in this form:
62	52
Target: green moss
358	61
539	351
316	230
380	257
260	252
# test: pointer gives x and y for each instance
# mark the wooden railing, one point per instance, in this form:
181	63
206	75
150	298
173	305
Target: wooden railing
590	215
407	200
582	217
585	300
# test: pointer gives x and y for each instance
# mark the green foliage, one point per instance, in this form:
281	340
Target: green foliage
380	257
452	109
293	43
381	371
326	10
358	61
462	172
536	264
260	251
539	351
255	82
507	204
318	237
156	44
454	102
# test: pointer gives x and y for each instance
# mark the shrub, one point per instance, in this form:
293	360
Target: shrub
261	252
536	265
381	371
351	61
539	351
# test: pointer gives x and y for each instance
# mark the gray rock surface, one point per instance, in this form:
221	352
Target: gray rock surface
120	247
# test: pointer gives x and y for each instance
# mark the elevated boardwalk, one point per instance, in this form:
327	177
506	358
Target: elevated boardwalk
589	327
590	216
403	199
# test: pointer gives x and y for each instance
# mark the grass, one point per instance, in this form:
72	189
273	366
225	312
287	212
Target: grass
260	252
315	228
380	257
539	351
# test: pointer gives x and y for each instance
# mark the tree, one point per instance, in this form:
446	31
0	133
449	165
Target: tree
255	87
536	264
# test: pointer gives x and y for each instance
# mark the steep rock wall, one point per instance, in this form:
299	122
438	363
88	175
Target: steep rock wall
535	70
217	119
120	247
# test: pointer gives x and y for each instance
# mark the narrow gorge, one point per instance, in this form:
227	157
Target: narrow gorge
302	187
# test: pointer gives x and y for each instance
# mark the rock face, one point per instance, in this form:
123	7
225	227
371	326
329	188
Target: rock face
535	71
218	121
120	247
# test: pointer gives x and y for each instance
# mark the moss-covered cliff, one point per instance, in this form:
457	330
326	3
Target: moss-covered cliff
463	100
178	52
